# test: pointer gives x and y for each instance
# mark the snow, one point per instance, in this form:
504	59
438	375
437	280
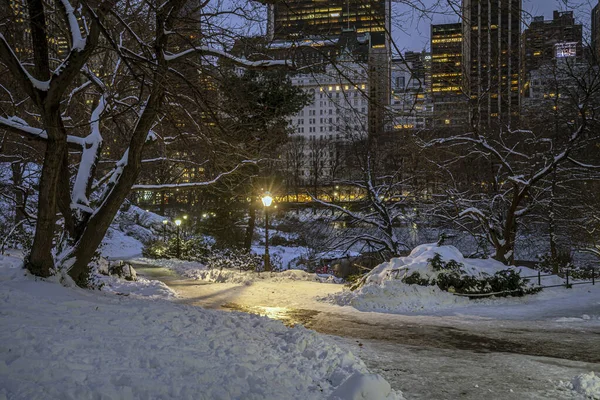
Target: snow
385	292
69	343
289	255
587	385
93	143
197	270
361	387
116	245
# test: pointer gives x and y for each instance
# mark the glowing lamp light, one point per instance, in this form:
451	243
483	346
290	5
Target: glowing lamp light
177	222
165	221
267	200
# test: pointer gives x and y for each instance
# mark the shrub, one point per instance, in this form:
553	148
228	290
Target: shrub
240	259
196	248
452	278
415	279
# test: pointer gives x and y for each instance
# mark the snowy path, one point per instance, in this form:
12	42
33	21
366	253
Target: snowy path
429	356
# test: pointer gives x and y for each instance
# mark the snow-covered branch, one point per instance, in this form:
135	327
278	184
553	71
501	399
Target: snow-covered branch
77	41
19	126
89	158
192	184
23	77
208	51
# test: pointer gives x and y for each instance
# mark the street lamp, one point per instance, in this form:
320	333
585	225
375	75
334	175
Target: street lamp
185	217
178	223
165	222
267	200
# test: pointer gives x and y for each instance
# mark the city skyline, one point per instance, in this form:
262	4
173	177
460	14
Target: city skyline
414	34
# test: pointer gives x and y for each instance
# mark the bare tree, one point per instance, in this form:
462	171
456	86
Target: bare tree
131	97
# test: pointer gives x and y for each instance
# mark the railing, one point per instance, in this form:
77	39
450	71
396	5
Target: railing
567	284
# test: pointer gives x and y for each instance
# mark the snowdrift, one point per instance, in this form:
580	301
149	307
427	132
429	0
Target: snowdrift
69	343
384	291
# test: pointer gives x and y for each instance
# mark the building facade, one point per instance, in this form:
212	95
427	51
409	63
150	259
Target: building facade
545	40
337	113
491	55
450	103
596	33
296	19
410	103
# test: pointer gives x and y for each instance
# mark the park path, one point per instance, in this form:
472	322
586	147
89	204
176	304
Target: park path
426	357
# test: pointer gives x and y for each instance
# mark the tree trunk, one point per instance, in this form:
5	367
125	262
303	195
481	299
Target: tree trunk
17	178
40	260
251	225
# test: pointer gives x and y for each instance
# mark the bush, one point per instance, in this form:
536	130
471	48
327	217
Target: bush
240	259
195	249
415	279
452	278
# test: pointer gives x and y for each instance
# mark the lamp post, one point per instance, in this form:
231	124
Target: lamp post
267	200
165	222
178	223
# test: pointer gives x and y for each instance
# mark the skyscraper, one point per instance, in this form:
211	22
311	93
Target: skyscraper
545	40
292	19
491	54
449	100
596	32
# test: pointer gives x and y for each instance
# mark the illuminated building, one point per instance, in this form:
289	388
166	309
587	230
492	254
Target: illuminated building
338	112
299	20
57	42
491	55
596	33
448	97
544	40
410	102
294	19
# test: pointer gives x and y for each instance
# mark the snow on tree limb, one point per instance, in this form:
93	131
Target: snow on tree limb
205	50
77	41
24	78
19	126
89	156
192	184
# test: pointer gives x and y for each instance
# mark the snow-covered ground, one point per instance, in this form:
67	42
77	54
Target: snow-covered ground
67	343
430	356
119	246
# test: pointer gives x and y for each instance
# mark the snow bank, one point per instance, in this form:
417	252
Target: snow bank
116	245
384	290
63	343
587	385
289	255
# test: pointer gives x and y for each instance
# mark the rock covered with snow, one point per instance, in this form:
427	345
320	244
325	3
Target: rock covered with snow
58	342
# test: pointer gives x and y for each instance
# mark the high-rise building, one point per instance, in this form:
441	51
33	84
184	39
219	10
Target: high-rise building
410	102
596	33
491	54
545	40
448	97
293	19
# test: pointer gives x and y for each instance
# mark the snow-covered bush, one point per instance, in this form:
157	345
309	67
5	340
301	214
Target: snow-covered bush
240	259
452	278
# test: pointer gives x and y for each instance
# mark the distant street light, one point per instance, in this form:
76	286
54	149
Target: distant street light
267	200
178	223
165	222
